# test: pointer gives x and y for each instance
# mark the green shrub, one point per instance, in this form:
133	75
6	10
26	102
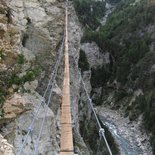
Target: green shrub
2	55
2	100
29	76
113	1
89	36
99	76
83	62
21	59
90	12
14	79
2	112
152	140
119	95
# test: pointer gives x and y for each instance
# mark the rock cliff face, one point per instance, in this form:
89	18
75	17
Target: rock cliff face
40	28
36	46
5	147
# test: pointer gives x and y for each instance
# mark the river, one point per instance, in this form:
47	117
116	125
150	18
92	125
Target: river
130	137
125	147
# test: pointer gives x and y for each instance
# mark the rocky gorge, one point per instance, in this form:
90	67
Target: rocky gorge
31	42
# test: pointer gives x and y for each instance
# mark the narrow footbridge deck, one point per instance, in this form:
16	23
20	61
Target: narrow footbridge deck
66	120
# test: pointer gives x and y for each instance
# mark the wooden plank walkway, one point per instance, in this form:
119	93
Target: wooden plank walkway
66	147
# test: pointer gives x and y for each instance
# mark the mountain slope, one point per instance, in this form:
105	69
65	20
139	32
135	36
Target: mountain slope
129	38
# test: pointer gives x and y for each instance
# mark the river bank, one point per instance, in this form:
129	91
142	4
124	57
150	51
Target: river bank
130	136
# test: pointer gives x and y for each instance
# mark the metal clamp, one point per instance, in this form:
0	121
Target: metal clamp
101	131
30	129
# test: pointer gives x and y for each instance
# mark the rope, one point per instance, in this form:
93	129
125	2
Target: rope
49	99
88	97
30	128
103	136
101	130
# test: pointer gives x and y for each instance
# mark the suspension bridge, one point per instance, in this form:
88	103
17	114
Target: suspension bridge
66	140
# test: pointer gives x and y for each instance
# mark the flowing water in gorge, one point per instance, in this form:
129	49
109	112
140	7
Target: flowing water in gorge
125	146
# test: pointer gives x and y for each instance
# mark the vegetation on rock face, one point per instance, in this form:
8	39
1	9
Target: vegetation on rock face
29	76
2	99
15	70
90	12
12	77
83	62
129	37
99	76
113	1
2	55
21	59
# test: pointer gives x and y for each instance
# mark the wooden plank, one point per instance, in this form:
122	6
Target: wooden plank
66	147
66	153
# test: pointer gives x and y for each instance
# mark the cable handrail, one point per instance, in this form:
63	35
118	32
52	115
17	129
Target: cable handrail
30	128
101	130
49	99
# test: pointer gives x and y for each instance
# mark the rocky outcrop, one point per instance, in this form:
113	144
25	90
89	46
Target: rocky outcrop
48	143
13	107
5	147
96	58
8	54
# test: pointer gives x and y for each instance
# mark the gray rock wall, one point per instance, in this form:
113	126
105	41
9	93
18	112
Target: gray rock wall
41	25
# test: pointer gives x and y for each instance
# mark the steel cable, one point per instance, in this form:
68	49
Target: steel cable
49	99
101	130
30	128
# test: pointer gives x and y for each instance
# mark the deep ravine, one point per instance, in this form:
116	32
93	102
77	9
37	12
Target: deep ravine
40	38
130	136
